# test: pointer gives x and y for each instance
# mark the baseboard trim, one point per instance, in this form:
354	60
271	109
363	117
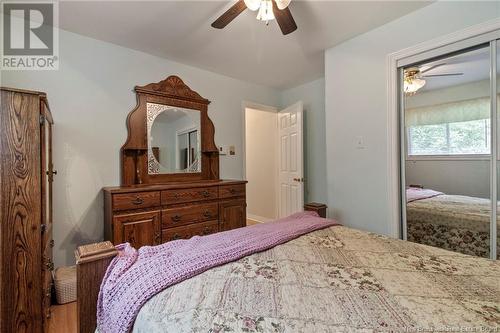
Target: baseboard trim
257	218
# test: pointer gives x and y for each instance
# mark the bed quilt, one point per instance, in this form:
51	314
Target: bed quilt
452	222
334	280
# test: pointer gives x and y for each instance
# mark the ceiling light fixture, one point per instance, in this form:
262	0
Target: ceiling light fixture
411	86
412	81
266	11
265	8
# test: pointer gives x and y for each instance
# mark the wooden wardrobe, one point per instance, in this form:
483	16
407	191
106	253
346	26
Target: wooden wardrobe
154	205
25	211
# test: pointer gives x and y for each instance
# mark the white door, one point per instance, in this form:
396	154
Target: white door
291	170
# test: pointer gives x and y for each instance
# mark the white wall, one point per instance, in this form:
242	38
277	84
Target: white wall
356	105
460	177
90	96
313	96
261	164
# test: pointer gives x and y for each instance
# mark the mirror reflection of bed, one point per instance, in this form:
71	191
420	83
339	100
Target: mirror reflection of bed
448	152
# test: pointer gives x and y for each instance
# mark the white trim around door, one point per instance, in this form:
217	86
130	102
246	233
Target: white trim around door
473	35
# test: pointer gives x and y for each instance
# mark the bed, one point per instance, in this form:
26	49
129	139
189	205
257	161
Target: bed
336	279
452	222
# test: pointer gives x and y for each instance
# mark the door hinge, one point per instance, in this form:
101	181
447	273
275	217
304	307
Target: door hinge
42	119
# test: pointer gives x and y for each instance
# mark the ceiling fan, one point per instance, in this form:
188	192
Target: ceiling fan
414	77
267	11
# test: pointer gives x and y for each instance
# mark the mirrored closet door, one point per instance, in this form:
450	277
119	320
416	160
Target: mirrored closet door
495	226
448	151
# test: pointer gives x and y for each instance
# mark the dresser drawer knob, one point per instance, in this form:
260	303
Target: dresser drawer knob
176	195
232	191
206	231
138	201
205	193
175	237
176	218
207	214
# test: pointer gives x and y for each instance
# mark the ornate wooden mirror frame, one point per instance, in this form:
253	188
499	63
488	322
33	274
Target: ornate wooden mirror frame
134	153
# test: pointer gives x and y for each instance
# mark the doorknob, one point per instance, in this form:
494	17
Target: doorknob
298	179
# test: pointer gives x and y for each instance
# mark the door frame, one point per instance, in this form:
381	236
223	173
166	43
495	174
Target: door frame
262	107
474	35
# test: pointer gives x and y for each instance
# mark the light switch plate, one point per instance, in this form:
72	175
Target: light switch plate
223	150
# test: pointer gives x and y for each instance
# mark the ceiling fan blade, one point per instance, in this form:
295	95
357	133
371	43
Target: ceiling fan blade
447	74
285	19
229	15
431	68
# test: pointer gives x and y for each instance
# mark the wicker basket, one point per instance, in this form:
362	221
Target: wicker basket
65	283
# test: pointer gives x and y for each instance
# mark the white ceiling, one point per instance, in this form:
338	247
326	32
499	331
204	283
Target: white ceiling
246	49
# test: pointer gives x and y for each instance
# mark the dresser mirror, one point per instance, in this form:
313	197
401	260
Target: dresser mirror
170	136
174	144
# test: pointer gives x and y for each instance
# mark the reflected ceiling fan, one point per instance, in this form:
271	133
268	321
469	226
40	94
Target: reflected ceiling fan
267	10
414	77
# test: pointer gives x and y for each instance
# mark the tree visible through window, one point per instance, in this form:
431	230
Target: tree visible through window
457	138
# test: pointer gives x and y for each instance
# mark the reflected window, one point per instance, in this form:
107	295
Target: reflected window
458	138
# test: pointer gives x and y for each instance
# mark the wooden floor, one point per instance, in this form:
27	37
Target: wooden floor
251	222
63	318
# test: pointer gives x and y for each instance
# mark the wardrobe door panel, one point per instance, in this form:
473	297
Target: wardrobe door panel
20	244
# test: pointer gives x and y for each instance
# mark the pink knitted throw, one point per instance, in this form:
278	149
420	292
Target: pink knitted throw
134	276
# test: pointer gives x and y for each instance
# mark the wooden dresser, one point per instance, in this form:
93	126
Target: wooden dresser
161	213
25	211
170	186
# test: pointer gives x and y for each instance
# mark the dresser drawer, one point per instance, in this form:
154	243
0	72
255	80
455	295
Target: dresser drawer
198	229
205	228
172	234
230	191
169	197
189	214
136	200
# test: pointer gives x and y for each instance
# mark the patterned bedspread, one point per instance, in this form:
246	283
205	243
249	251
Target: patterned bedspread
334	280
452	222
